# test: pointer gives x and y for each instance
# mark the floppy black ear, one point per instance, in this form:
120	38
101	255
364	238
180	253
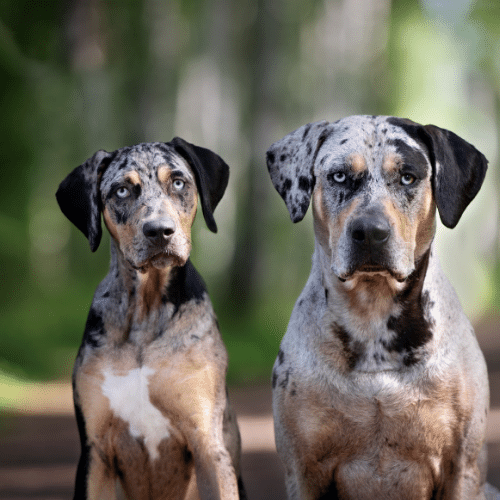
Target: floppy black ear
290	162
459	171
211	173
79	197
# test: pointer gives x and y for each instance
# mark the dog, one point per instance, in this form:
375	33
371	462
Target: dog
149	378
380	389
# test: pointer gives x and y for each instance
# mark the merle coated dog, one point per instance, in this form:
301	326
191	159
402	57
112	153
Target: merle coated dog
149	379
380	388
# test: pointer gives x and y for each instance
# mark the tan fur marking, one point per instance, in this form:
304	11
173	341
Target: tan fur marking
133	177
357	162
392	163
320	217
109	223
330	437
401	223
149	293
426	224
337	225
164	174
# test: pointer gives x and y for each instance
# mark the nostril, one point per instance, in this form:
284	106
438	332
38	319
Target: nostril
379	235
358	235
158	230
149	231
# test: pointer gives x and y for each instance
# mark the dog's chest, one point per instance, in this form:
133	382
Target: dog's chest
380	441
129	399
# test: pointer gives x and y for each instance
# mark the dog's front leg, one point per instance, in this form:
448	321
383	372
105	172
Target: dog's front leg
93	479
215	475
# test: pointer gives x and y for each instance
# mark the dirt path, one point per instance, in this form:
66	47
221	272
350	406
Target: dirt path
39	448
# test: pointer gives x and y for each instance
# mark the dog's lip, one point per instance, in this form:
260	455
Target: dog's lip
371	270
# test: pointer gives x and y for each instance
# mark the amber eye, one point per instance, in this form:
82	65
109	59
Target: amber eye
178	184
339	177
407	179
122	192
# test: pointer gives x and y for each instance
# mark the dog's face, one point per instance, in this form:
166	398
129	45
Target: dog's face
148	195
373	204
149	200
375	184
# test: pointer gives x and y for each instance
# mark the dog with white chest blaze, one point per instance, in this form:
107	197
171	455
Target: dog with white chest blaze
149	379
380	390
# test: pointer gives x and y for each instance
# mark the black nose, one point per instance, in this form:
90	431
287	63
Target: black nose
370	230
158	230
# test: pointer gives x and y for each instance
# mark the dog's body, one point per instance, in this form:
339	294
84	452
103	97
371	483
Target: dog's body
380	389
149	379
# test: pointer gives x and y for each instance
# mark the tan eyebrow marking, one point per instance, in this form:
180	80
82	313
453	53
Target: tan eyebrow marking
357	163
163	173
392	163
133	177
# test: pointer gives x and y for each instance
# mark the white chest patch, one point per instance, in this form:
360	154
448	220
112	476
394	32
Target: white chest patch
129	400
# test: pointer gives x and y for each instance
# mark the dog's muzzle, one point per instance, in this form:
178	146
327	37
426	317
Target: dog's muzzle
369	237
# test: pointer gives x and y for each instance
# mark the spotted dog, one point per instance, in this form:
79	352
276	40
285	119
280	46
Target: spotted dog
379	389
149	379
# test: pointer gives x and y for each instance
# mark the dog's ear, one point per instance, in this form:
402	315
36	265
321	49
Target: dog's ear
290	162
458	172
79	196
211	173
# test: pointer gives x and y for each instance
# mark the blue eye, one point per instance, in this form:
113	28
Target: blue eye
339	177
122	192
407	179
178	184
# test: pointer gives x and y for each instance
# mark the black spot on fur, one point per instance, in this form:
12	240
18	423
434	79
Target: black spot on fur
136	190
94	329
84	462
343	141
281	357
411	326
270	158
283	158
331	492
121	215
274	379
304	205
353	350
309	148
285	187
122	164
305	183
186	285
306	131
284	383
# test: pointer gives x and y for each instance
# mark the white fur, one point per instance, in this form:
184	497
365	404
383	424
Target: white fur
129	399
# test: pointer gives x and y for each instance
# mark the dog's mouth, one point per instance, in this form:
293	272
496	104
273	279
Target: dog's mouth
159	260
371	270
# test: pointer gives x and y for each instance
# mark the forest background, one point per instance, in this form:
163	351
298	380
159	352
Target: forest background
233	76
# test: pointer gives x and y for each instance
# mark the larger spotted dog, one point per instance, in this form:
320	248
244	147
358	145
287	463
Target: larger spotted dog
380	389
149	379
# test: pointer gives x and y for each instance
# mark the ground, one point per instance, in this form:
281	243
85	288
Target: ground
39	447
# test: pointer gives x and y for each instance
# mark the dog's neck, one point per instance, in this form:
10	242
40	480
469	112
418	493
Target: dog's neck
375	316
150	295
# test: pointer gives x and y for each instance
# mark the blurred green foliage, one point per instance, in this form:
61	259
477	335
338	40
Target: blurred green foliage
233	76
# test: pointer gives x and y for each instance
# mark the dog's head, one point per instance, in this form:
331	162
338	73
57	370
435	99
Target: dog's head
148	195
375	183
